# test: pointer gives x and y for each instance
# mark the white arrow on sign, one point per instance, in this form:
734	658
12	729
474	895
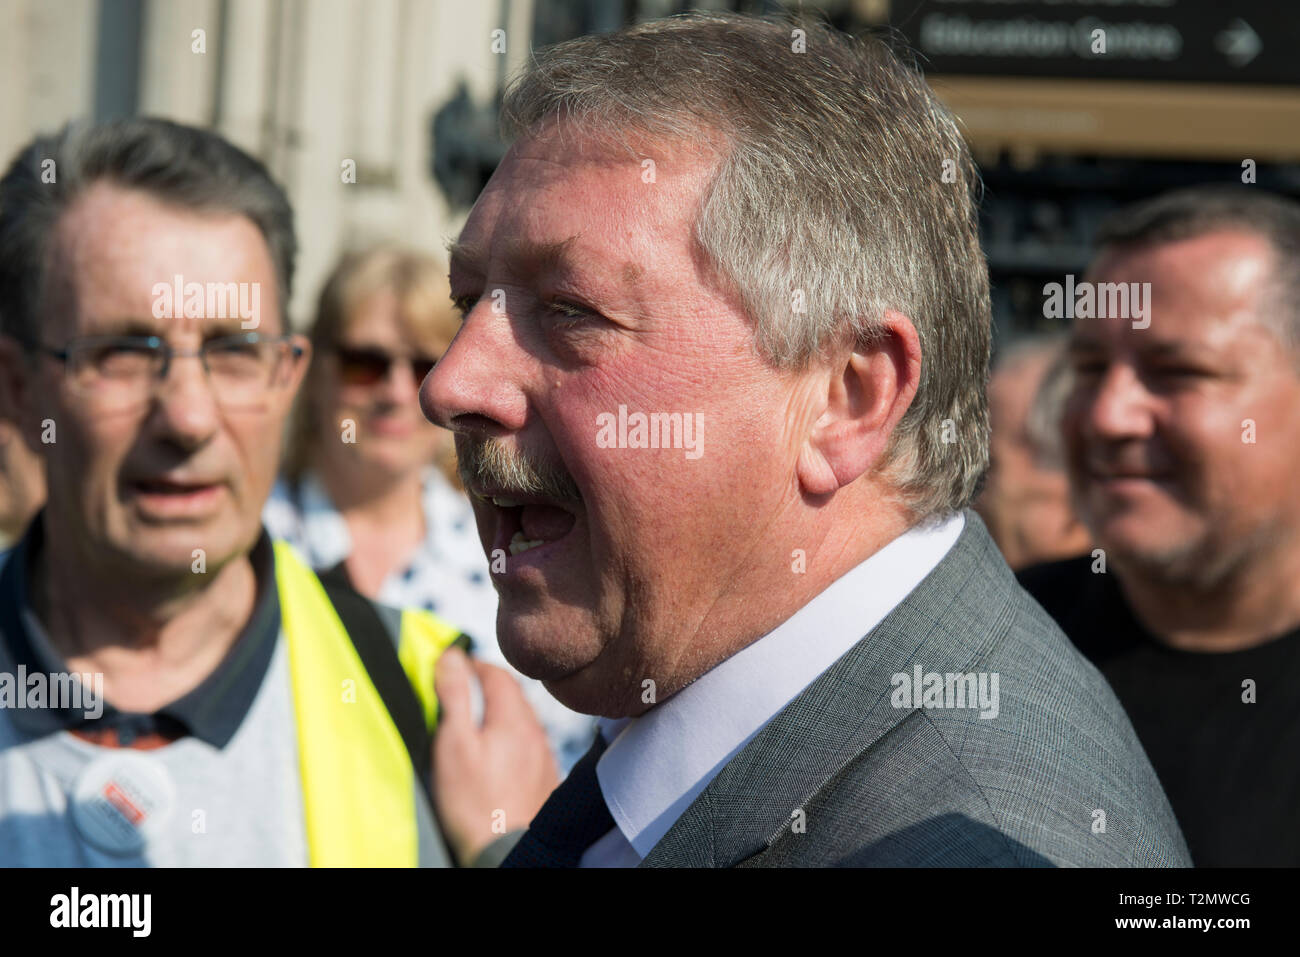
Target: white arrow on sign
1239	43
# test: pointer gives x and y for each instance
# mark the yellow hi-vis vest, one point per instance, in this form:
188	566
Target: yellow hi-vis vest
358	783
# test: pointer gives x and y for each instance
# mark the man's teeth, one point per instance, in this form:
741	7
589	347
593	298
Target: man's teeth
519	544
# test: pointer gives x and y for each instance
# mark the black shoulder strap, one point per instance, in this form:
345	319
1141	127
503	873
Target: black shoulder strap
10	601
378	653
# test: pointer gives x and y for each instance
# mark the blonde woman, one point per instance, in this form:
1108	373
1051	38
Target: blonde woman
369	485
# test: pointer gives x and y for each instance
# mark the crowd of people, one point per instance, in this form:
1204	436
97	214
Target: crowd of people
262	554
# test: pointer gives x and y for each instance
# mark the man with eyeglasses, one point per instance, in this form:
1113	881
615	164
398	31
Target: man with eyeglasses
175	688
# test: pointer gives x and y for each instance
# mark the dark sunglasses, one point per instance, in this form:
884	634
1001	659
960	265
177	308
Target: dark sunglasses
369	366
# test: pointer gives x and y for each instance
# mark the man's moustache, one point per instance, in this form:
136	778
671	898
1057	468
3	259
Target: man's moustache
490	463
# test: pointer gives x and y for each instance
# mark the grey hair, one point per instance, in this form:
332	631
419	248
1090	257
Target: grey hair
1047	409
188	167
842	180
1199	210
1043	356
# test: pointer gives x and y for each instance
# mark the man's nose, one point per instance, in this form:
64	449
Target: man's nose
474	386
185	406
1121	406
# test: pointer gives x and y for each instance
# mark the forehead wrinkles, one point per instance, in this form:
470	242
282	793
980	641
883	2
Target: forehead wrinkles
618	190
519	255
521	239
90	270
104	239
119	244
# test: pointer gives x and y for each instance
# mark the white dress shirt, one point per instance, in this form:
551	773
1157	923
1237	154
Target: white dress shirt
658	763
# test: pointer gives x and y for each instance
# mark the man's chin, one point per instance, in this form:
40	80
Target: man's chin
165	552
1153	551
587	683
590	691
571	693
1138	526
541	654
560	655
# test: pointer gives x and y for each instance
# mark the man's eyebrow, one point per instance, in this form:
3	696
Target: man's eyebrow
464	255
136	326
127	326
521	255
225	327
1175	348
1148	347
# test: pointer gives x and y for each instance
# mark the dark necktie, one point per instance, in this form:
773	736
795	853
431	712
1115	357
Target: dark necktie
573	818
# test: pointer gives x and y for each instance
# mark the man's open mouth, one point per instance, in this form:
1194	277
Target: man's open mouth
524	523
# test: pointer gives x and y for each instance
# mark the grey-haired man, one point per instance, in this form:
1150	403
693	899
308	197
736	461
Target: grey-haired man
804	648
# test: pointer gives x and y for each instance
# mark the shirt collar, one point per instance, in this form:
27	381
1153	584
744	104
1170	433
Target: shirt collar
212	712
658	763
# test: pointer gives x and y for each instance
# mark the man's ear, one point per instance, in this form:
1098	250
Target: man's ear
868	391
298	371
14	376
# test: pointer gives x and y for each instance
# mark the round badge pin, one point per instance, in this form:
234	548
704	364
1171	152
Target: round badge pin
122	800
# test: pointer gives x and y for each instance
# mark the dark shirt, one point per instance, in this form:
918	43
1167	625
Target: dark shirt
1229	767
212	712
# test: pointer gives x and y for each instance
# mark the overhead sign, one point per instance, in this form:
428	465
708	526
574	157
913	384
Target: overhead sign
1198	41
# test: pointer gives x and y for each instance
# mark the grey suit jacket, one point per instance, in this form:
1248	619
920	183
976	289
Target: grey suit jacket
843	776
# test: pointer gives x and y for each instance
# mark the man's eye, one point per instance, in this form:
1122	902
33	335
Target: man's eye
114	359
120	351
233	347
567	313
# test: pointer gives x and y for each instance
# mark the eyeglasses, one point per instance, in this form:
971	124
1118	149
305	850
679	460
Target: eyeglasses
118	372
368	366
